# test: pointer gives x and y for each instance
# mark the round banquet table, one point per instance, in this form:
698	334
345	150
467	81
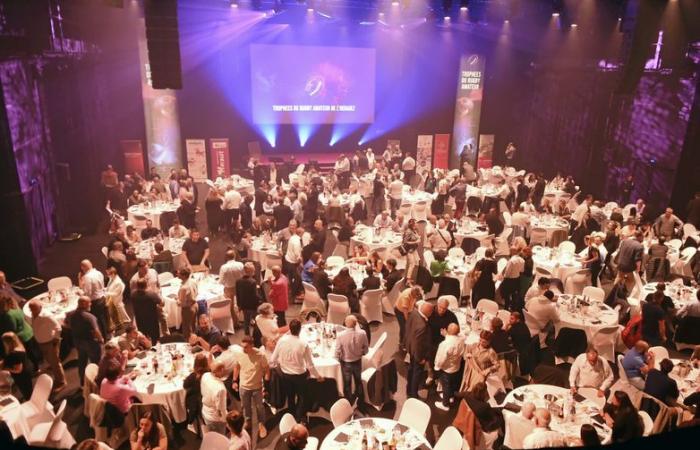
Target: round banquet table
680	294
470	229
344	200
260	248
348	436
367	237
459	268
145	250
590	319
323	349
689	382
570	430
152	211
415	196
242	185
54	305
560	265
208	289
357	272
550	224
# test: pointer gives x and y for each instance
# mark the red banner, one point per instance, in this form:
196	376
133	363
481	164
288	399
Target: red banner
220	166
441	151
133	156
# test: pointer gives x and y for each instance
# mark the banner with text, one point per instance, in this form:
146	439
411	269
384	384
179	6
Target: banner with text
442	151
219	158
485	159
467	111
133	156
424	156
197	158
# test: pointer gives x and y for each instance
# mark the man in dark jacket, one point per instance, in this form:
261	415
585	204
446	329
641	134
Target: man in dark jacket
146	311
660	386
418	346
371	282
282	215
394	274
247	296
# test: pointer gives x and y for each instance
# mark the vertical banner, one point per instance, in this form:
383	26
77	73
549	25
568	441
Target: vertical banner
485	158
197	158
467	111
424	153
442	151
219	158
133	156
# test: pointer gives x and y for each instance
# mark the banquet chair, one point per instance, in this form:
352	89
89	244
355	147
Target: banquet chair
687	333
660	353
89	385
504	315
557	237
419	211
105	251
341	412
338	308
220	314
569	343
621	371
648	423
689	230
449	286
451	299
52	434
480	252
38	404
674	244
538	236
567	247
596	294
371	305
311	443
575	282
506	218
451	439
405	210
335	261
312	302
541	272
487	306
501	265
517	428
374	355
502	244
684	266
455	252
415	414
341	250
428	257
591	394
470	245
58	283
163	266
286	423
535	327
604	341
389	300
113	437
139	221
165	277
211	440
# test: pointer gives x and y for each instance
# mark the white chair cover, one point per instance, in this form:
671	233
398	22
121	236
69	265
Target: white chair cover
341	412
648	423
451	299
58	283
517	428
415	414
487	306
211	440
338	308
374	355
371	305
389	300
312	301
286	423
220	314
660	353
451	439
594	293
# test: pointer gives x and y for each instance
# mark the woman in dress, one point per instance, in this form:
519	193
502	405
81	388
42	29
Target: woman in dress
344	284
410	243
193	394
482	276
621	415
481	362
212	206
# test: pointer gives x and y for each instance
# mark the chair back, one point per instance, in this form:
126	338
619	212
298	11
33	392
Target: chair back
340	250
487	306
449	286
558	236
58	283
428	257
312	300
393	295
604	341
456	252
517	428
674	243
660	353
687	253
105	251
371	302
415	414
311	443
286	423
501	264
220	314
504	315
165	277
451	439
506	218
575	282
621	369
594	293
41	392
374	355
538	236
335	261
648	423
338	308
212	440
567	247
341	412
451	299
56	431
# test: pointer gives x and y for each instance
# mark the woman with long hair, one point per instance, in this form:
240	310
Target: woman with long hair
150	435
621	415
193	394
17	363
344	284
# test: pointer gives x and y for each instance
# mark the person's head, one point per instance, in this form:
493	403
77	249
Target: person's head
620	399
496	324
85	265
639	236
295	327
298	436
528	410
84	303
426	309
549	295
142	267
385	214
201	363
480	392
184	274
318	225
230	255
266	310
276	272
195	235
204	322
249	269
158	247
35	307
544	283
453	329
515	317
391	264
11	342
592	355
218	369
589	436
668	213
440	255
149	427
485	339
350	321
641	346
542	418
88	444
131	331
234	422
111	350
141	284
488	253
666	366
114	370
248	344
443	305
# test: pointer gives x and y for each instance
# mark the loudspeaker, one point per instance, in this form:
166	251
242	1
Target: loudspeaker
163	40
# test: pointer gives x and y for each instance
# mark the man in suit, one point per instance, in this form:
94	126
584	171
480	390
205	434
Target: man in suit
371	282
418	346
394	274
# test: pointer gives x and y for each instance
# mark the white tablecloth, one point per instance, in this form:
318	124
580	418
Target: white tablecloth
145	250
260	248
367	237
550	224
323	350
209	289
587	318
152	211
681	295
560	265
570	430
349	435
689	383
470	229
54	304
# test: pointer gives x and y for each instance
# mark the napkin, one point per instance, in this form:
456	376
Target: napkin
151	388
597	418
519	397
342	438
512	407
578	397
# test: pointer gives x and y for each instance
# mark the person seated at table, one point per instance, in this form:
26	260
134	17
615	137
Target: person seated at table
16	362
178	231
192	386
589	436
490	418
116	256
377	263
383	220
482	361
162	255
654	320
150	435
528	207
131	236
266	321
371	281
117	388
321	280
543	436
133	342
544	308
196	250
135	198
562	209
295	439
439	267
344	284
691	309
546	206
660	385
394	275
206	335
111	354
637	363
500	339
621	415
309	267
150	231
146	273
360	254
590	371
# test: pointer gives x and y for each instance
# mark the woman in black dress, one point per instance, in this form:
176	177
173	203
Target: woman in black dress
484	286
17	363
212	205
621	415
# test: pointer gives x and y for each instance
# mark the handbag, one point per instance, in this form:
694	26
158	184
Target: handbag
402	250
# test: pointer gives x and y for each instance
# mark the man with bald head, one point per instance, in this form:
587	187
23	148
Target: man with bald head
295	439
520	425
448	360
542	436
350	346
87	337
92	282
418	345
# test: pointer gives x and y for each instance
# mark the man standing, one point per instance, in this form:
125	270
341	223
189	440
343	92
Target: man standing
418	345
448	360
147	305
408	166
187	299
47	332
510	287
279	295
589	370
350	346
196	251
87	337
250	369
92	282
293	356
247	296
231	206
229	274
668	225
149	275
629	257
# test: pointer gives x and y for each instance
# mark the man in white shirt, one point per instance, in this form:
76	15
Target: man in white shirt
543	284
528	207
542	436
408	166
350	346
520	218
231	205
589	370
544	308
293	258
447	361
47	332
178	231
519	425
145	273
214	398
383	220
510	286
395	194
440	239
293	356
92	282
230	272
370	158
581	210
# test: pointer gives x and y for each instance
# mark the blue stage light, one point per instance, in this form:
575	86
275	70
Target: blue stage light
269	132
